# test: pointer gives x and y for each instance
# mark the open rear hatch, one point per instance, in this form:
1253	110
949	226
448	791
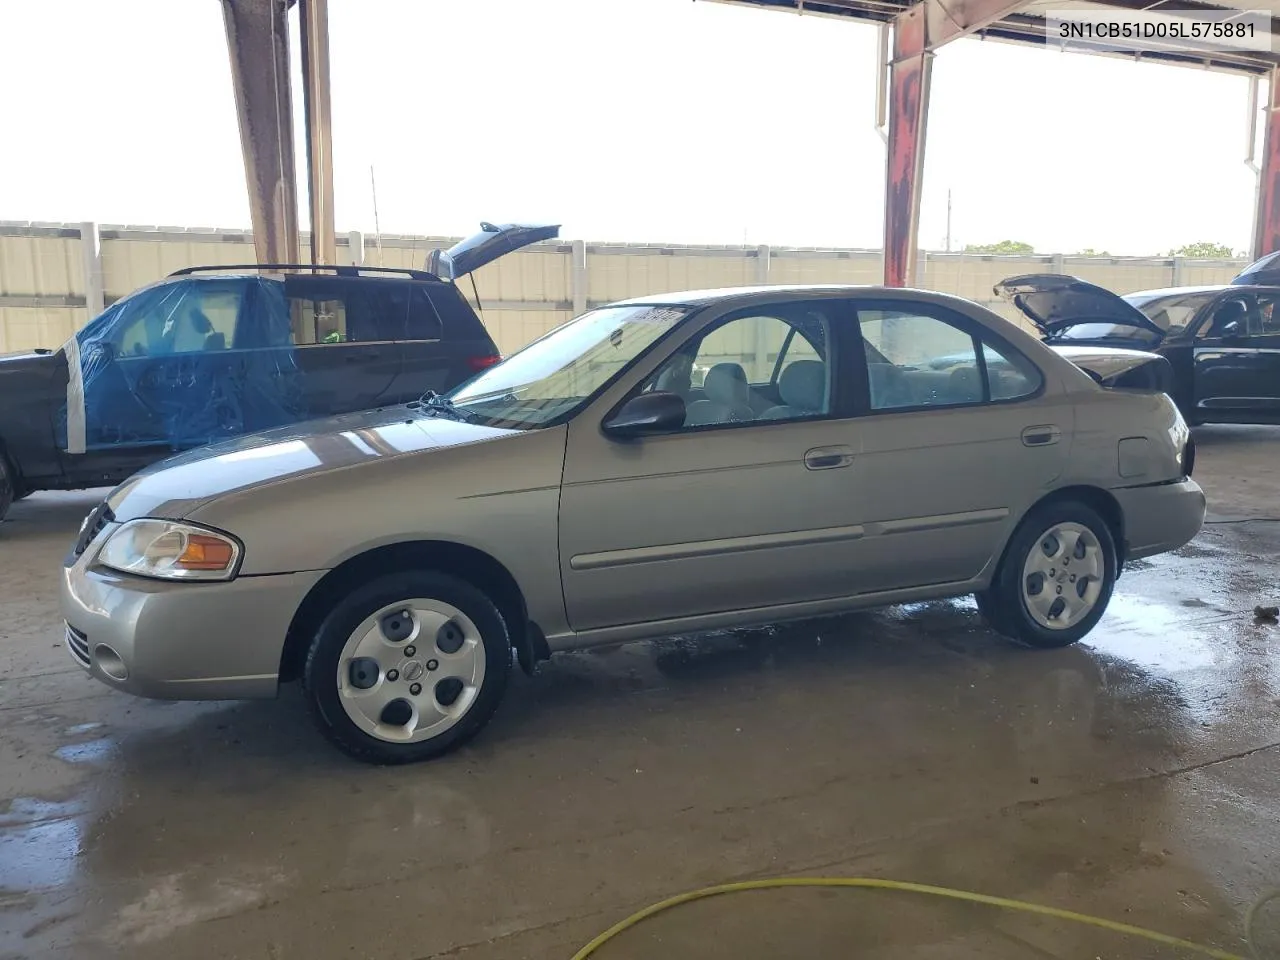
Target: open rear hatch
1053	302
493	241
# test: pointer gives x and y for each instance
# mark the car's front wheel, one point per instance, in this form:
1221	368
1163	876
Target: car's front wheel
407	667
1056	577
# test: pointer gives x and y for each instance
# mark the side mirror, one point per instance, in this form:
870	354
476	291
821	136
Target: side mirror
649	413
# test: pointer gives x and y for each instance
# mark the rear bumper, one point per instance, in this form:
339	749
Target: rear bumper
1160	517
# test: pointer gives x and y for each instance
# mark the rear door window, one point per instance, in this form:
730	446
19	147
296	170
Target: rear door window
329	310
918	358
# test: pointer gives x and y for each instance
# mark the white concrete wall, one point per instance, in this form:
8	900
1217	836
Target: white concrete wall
45	294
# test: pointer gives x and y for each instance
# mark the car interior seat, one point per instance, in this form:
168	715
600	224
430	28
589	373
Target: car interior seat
803	389
965	386
1233	311
727	397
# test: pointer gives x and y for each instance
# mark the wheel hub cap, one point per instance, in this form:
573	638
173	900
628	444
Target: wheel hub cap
1063	575
411	670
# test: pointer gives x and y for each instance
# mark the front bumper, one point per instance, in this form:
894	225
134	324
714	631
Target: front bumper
1160	517
180	641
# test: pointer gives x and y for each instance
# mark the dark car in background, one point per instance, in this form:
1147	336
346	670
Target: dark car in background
1222	342
210	353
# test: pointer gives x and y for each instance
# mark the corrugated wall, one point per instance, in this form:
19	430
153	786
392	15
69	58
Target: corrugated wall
43	288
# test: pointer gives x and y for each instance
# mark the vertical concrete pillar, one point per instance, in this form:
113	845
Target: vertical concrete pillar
95	296
578	279
762	264
355	241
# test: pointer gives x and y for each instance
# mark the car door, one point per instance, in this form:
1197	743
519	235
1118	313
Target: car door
346	338
1236	359
161	375
957	439
751	504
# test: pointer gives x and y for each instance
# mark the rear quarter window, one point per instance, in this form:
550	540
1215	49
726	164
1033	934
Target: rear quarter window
458	321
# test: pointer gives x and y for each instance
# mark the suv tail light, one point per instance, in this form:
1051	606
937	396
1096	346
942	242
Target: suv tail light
483	362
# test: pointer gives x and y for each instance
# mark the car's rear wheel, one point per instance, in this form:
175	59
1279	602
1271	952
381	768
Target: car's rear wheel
407	667
7	491
1055	579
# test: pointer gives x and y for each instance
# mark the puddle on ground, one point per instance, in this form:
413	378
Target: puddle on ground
1154	636
94	751
39	843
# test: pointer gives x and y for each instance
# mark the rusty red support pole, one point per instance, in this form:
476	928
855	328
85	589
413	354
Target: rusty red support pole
258	45
1266	227
908	111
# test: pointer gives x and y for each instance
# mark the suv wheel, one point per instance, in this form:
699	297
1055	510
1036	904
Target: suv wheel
6	487
407	667
1055	579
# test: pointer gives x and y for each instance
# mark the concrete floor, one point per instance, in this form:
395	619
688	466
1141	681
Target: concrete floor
1133	777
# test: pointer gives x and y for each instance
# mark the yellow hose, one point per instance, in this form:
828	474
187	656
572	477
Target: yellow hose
905	887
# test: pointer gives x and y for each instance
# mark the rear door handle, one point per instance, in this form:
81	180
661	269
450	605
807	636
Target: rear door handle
362	355
1043	435
828	458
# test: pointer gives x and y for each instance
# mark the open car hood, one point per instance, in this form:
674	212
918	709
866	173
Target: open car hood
1054	301
1264	272
486	246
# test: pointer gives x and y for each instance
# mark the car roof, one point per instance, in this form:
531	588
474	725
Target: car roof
773	291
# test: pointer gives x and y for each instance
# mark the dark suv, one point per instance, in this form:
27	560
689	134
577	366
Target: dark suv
213	352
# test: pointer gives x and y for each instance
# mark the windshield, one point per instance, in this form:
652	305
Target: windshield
558	373
1171	312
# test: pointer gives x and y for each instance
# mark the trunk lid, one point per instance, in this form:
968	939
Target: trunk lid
492	242
1120	369
1054	301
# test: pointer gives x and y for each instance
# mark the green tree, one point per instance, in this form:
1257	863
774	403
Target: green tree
1007	247
1090	252
1204	251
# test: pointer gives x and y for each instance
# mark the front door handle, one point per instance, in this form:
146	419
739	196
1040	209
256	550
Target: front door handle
827	458
362	355
1043	435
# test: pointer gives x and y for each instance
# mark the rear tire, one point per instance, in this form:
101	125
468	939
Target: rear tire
407	667
1055	579
7	492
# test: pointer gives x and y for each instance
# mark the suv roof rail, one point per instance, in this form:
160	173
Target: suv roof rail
342	270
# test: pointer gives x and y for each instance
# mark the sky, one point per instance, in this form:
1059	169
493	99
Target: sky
625	120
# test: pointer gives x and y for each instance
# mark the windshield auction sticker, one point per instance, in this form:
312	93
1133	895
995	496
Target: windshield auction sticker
1167	29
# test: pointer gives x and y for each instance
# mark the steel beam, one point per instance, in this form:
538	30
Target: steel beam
1266	224
314	17
917	32
258	45
908	109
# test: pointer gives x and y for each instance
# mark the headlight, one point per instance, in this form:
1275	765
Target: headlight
171	551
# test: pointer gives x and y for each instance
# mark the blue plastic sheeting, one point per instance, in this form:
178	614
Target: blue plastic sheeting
181	364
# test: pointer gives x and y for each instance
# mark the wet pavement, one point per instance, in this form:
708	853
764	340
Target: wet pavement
1133	776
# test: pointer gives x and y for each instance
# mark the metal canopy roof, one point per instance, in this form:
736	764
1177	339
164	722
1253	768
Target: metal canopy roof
1028	25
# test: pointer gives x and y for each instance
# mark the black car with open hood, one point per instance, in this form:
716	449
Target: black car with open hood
1222	343
210	353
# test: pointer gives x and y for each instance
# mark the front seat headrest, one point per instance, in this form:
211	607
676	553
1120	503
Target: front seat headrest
803	384
726	383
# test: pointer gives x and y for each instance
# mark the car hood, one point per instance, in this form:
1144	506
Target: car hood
1054	301
26	358
486	246
177	486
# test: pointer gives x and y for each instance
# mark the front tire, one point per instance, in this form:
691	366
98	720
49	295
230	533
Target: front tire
1055	579
407	667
